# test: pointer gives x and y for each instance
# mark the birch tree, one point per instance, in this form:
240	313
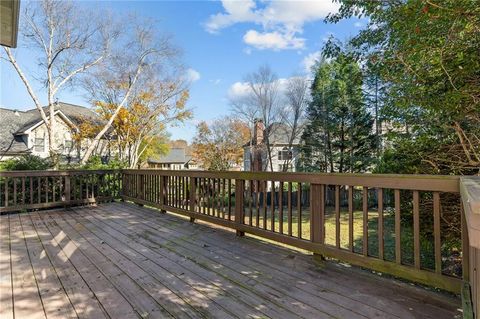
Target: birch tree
137	60
138	92
67	41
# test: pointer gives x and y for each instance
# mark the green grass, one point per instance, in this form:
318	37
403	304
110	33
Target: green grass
406	236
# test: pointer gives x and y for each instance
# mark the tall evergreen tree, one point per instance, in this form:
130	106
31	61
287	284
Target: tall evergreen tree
339	136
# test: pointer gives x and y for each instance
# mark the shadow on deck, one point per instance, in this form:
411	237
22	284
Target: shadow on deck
119	260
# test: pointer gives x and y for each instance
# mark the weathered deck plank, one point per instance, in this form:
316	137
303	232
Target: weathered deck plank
91	294
123	261
6	293
26	297
54	298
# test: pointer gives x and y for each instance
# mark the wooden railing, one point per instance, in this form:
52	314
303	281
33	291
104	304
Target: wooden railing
404	225
26	190
413	227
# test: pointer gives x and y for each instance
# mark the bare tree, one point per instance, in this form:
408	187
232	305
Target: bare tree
261	101
293	112
68	41
136	61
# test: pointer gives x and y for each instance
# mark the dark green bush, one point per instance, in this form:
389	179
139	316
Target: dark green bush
26	163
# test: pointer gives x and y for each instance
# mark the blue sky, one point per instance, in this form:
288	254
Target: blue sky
222	41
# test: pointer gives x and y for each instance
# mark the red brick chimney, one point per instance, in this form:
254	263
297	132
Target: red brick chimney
258	130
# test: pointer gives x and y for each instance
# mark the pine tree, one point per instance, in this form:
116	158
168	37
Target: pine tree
339	136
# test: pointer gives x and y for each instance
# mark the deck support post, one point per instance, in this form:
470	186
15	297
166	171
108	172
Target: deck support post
317	224
239	212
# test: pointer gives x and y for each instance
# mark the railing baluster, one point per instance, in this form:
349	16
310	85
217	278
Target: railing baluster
6	192
265	189
398	232
239	205
437	232
289	205
380	223
23	190
299	210
67	189
280	208
272	206
250	203
15	192
31	190
229	199
365	220
350	218
416	229
257	202
337	216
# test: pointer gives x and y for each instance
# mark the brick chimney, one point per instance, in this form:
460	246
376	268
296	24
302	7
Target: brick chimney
258	130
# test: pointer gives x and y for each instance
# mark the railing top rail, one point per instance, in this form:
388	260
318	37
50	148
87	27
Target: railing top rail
440	183
54	173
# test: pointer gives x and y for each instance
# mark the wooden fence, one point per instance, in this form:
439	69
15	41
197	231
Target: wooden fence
409	226
23	190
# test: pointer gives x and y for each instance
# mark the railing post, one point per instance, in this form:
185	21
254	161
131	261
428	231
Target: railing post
193	196
67	190
317	196
239	213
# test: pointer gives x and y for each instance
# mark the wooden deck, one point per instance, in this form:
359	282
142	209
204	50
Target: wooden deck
122	261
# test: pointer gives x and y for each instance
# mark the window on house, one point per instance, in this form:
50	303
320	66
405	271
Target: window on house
284	155
39	145
68	146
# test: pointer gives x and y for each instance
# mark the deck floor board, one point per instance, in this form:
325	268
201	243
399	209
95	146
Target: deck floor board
119	260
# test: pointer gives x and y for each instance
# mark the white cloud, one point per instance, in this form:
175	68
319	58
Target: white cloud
273	40
239	90
309	61
280	22
192	75
358	24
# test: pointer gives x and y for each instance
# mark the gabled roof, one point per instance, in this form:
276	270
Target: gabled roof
14	123
11	122
75	113
175	156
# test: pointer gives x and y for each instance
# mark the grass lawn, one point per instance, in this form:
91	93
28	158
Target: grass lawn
426	242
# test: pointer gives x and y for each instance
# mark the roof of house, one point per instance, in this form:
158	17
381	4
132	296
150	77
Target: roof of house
281	134
14	123
175	156
76	113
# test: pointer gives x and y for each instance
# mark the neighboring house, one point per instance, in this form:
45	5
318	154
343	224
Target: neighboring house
284	154
176	159
24	132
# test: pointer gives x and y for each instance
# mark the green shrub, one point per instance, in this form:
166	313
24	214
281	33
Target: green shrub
96	162
26	163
